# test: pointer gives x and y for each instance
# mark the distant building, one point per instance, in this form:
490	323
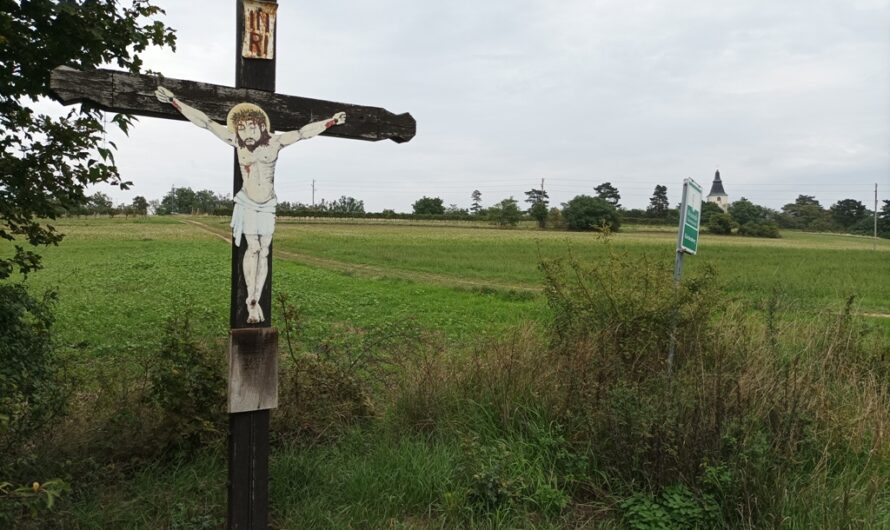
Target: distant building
717	195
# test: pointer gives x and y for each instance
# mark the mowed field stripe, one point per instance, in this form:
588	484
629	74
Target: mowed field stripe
371	270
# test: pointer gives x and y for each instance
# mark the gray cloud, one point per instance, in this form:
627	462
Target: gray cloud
785	97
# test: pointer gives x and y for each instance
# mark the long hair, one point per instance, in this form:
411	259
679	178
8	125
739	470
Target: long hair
249	112
262	140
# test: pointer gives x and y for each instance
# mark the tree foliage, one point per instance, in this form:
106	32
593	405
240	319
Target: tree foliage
46	162
28	393
590	213
347	205
805	213
429	206
505	213
187	201
848	213
476	207
884	220
454	210
609	193
100	203
721	223
658	203
752	219
707	210
539	200
745	211
139	206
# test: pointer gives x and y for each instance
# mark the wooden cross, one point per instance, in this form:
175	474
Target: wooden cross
253	345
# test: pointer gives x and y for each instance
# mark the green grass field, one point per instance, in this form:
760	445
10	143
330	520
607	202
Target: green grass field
120	280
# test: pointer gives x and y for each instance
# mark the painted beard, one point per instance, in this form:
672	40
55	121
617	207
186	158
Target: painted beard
262	140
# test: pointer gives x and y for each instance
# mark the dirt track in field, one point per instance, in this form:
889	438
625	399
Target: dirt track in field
373	271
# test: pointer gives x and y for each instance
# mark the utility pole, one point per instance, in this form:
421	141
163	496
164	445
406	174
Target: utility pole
874	242
313	192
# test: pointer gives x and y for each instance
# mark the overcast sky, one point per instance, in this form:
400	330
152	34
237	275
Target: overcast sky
784	97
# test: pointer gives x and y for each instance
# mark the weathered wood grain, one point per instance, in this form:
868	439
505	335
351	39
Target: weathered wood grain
253	369
248	488
123	92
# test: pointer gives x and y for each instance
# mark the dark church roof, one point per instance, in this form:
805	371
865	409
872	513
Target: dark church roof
717	186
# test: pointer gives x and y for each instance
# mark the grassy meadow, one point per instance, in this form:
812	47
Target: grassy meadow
120	279
453	338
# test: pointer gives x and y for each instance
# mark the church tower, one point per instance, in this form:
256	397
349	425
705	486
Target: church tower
717	195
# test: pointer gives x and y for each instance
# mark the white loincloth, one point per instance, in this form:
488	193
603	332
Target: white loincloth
252	218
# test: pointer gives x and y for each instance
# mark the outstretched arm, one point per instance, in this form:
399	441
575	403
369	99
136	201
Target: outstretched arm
196	116
312	129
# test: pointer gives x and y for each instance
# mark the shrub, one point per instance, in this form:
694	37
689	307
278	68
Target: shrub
555	219
762	229
721	223
30	394
326	385
709	209
188	386
675	507
749	416
319	399
505	213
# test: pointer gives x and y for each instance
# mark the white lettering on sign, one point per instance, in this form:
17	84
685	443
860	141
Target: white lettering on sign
258	40
690	216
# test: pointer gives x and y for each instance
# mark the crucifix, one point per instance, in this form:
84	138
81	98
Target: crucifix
243	117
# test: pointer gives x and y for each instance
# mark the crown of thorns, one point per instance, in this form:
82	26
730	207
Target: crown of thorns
246	112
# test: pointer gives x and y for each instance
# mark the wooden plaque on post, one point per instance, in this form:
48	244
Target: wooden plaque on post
253	369
258	40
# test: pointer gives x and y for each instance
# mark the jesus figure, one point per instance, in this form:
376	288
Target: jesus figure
249	131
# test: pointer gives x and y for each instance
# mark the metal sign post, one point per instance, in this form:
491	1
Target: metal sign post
687	243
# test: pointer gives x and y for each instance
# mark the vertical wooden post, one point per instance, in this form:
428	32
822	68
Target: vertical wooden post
248	480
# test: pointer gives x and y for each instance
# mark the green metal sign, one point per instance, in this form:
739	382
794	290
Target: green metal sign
690	217
687	240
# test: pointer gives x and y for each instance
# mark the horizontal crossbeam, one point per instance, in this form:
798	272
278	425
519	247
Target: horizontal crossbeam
116	91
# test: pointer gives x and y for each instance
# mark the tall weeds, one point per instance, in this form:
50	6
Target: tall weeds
770	421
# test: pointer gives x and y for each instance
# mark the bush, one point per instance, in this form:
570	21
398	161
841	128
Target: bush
721	223
709	209
319	398
742	433
555	219
30	394
675	507
504	213
326	385
749	415
763	229
188	386
590	213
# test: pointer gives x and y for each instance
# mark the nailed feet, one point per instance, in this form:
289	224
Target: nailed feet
254	312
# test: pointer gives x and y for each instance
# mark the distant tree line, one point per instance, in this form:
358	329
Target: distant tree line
599	211
343	206
101	204
187	201
805	213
